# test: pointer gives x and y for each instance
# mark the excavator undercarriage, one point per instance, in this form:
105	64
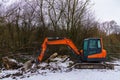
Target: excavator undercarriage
93	66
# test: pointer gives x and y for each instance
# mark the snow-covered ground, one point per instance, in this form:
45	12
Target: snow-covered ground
75	74
79	75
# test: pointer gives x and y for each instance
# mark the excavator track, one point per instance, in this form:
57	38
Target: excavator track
93	66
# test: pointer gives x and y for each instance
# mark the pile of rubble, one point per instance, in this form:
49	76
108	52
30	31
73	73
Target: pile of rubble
55	63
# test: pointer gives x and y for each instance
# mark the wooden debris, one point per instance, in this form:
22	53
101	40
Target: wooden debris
51	57
27	65
9	63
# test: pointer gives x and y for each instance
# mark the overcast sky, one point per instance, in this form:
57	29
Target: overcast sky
106	10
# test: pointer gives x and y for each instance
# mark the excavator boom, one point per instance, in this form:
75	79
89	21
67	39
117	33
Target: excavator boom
57	41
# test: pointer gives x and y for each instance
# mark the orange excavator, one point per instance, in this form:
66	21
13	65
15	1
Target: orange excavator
92	50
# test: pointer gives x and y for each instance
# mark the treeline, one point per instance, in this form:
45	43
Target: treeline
25	23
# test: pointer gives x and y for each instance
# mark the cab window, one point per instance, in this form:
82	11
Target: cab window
85	44
92	44
99	45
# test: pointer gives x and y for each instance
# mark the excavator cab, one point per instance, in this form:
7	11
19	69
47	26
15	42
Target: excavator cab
93	50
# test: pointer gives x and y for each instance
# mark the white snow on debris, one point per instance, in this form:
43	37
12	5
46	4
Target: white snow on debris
43	64
13	60
5	72
75	74
61	62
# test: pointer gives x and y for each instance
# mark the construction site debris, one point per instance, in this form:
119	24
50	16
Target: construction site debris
9	63
27	65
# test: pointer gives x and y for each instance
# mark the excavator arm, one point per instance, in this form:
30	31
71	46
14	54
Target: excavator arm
57	41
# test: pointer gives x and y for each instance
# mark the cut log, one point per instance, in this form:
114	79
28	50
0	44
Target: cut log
9	63
51	57
27	65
